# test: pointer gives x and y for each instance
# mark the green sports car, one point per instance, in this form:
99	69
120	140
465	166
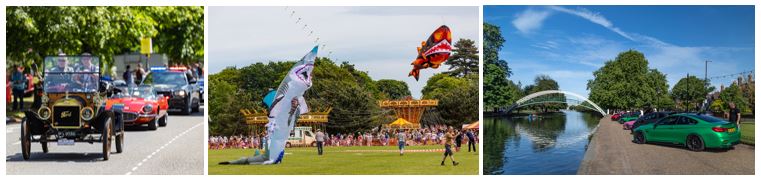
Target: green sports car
695	131
628	117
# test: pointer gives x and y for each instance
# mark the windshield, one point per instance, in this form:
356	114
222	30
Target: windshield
142	92
71	73
711	119
166	78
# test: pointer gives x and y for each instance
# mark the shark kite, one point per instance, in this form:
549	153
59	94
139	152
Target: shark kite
433	51
284	107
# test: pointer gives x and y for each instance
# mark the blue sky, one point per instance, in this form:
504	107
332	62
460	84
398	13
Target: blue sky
379	40
568	43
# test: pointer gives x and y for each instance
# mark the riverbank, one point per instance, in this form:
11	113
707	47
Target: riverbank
611	152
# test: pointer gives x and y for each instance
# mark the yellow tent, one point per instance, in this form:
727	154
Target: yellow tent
401	122
474	125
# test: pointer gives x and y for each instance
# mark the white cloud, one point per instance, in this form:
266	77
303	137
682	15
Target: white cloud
530	20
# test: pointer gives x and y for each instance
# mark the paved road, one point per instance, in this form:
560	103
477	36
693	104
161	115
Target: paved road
177	149
612	152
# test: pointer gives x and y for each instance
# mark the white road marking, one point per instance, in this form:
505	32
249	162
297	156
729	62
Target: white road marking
161	148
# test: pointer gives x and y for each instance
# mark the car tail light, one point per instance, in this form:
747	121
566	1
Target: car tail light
719	129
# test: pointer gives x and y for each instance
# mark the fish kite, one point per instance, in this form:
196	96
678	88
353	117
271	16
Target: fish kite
284	107
433	51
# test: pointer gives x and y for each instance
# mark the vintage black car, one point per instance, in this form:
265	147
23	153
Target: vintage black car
178	85
73	108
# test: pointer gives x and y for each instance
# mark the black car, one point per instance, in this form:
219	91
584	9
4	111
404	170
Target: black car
177	84
649	118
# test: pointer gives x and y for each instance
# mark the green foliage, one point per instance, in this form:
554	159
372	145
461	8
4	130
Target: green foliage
352	94
35	32
732	94
543	83
464	60
393	89
458	99
498	90
689	91
627	83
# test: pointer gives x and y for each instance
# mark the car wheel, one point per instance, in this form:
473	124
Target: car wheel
287	145
197	108
120	140
162	121
153	124
314	144
188	108
639	137
26	140
694	143
105	137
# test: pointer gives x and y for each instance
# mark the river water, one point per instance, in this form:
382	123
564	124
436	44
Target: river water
554	144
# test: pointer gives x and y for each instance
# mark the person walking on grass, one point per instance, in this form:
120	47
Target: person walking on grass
320	137
471	140
401	137
448	142
458	140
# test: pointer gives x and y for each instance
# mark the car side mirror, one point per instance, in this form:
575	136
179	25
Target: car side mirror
193	81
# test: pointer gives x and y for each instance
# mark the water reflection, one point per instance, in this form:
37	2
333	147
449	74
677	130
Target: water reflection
552	144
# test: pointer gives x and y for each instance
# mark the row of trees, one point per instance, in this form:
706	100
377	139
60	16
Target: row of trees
624	83
627	83
352	93
35	32
499	90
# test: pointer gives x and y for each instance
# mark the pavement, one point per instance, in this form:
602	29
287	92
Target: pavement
611	152
177	149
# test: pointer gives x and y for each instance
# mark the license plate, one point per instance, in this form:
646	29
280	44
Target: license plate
65	142
731	130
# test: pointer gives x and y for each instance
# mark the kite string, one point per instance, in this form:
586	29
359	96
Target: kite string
308	30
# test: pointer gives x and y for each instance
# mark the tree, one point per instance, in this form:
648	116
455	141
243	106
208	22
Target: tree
733	94
627	83
544	83
464	60
35	32
393	89
458	99
689	92
498	90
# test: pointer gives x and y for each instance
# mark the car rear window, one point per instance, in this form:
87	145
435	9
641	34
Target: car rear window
712	119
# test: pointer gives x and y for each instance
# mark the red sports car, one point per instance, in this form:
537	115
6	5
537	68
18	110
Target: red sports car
141	105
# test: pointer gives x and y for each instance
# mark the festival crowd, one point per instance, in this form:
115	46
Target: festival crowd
430	135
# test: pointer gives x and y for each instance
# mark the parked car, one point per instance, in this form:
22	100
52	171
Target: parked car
629	117
72	108
695	131
142	106
178	85
301	136
646	119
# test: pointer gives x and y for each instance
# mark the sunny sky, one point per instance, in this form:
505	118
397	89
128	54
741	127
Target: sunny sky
568	43
380	40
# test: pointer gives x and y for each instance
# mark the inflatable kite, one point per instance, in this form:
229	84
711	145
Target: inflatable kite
284	107
433	52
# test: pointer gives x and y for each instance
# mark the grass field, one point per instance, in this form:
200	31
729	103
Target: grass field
748	133
357	160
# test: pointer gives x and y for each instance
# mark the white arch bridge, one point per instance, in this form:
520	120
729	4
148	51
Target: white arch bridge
537	98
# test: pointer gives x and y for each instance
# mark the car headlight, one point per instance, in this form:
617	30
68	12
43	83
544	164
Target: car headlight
44	99
43	113
87	113
147	109
181	93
